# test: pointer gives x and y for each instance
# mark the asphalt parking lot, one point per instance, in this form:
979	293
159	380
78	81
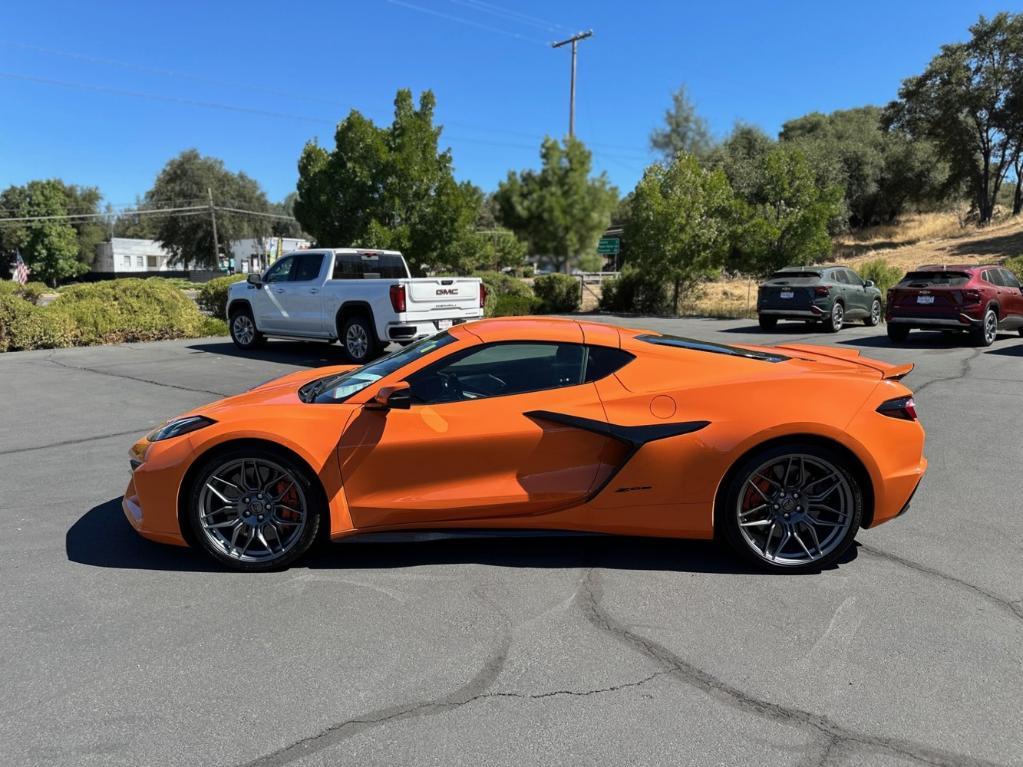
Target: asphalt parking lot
554	651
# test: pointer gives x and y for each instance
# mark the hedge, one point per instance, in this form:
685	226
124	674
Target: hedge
30	291
635	292
506	294
117	311
883	274
1015	265
212	296
558	293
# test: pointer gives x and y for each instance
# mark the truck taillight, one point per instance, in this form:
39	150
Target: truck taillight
398	298
900	407
971	296
483	295
821	290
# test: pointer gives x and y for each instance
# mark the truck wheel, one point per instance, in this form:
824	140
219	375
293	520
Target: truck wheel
359	339
243	330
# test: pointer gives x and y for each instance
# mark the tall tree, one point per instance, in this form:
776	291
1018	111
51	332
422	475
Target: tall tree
188	179
90	232
741	156
681	223
561	210
684	130
969	101
390	187
49	247
286	207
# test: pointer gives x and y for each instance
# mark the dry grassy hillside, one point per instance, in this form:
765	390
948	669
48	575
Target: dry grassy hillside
931	238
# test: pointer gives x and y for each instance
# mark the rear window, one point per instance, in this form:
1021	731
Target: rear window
934	279
795	275
368	266
706	346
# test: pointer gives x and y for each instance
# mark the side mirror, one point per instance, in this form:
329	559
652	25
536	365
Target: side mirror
255	279
395	397
868	284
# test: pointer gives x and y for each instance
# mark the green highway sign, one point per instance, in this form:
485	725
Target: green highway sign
608	246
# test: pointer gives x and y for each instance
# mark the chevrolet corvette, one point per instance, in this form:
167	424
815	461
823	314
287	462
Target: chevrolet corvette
783	452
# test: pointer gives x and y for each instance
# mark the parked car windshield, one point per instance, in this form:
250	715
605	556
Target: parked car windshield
338	388
934	279
795	275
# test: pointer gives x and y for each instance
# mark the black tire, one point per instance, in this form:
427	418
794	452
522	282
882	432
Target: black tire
243	329
874	318
767	323
1020	331
359	339
985	333
727	515
312	492
898	333
836	318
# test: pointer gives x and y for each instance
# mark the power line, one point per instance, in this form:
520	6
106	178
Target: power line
184	211
510	15
467	22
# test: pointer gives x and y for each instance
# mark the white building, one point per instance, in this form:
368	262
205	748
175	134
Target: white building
254	255
123	254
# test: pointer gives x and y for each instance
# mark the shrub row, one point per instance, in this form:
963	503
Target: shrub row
212	296
30	291
117	311
509	296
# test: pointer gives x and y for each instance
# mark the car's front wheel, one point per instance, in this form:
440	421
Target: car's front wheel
874	319
243	330
792	508
254	508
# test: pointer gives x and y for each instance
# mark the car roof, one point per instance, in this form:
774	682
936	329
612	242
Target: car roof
543	329
814	268
971	268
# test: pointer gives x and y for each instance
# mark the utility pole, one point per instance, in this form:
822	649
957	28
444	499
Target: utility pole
213	219
571	93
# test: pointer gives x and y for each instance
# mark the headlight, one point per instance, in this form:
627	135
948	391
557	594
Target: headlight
180	426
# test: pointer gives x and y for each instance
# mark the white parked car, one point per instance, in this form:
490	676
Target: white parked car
365	298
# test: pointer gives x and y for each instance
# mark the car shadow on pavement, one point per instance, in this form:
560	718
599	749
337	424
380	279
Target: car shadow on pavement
916	340
102	537
1015	350
306	353
781	329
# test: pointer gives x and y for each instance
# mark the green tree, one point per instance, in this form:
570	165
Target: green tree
684	130
188	179
741	157
50	248
560	210
681	224
391	187
881	171
786	218
286	207
969	101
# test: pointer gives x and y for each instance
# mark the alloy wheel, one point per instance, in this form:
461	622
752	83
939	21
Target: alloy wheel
244	329
875	313
356	341
252	510
837	316
990	327
795	510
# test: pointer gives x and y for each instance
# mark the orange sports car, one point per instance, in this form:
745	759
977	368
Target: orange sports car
543	424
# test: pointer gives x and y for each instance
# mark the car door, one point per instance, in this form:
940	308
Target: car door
267	308
1012	300
473	444
300	298
858	293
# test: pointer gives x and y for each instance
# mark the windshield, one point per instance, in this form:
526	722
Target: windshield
706	346
338	388
794	275
928	279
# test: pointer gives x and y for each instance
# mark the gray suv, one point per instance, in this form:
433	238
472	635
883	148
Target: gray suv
831	295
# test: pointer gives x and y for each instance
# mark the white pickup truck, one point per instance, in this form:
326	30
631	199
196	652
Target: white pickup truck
366	298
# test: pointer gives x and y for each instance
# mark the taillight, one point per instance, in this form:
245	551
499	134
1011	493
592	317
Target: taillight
483	295
398	297
821	290
900	407
971	296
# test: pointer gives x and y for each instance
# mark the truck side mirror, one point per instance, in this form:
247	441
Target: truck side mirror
396	397
255	280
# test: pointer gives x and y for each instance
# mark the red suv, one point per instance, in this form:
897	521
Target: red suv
980	300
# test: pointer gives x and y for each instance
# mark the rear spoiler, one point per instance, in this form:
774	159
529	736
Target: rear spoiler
888	371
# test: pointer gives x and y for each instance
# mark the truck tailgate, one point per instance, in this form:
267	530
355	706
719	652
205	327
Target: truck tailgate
429	294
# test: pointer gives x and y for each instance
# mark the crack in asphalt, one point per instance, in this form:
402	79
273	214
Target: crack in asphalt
574	693
1014	607
53	361
965	366
589	599
79	441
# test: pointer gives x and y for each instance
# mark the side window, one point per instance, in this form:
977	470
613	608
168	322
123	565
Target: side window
835	275
602	361
1009	279
852	278
307	267
347	267
281	271
497	370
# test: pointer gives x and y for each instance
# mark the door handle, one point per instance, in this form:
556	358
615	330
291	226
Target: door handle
278	290
314	290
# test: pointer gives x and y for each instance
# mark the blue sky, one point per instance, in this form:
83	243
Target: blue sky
105	93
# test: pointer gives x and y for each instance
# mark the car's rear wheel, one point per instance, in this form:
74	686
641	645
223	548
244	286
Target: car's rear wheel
833	322
359	339
243	329
874	319
792	508
767	323
898	332
254	508
985	333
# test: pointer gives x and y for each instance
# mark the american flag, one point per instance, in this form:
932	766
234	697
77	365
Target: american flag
21	270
